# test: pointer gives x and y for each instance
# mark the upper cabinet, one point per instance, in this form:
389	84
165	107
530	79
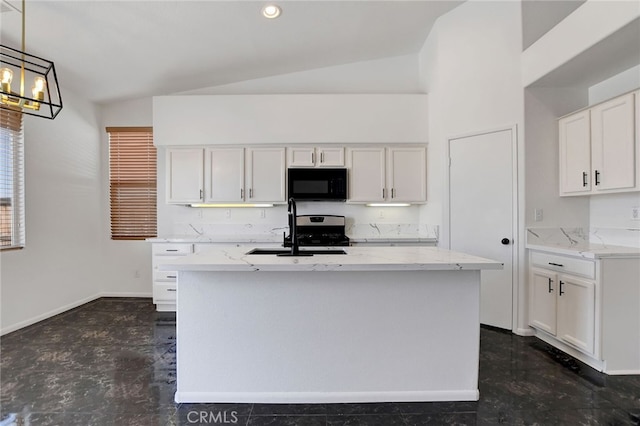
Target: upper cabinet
387	175
599	148
315	156
185	175
265	175
225	175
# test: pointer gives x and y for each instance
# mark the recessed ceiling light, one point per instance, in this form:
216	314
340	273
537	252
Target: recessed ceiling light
271	11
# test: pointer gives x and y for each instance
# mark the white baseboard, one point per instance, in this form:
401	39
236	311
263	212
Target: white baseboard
124	294
53	312
525	332
46	315
326	397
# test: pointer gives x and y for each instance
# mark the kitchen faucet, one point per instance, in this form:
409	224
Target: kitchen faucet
293	230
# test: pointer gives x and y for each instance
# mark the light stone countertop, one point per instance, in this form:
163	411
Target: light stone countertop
265	238
575	242
356	259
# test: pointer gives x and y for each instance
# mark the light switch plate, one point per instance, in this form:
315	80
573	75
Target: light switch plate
635	213
537	215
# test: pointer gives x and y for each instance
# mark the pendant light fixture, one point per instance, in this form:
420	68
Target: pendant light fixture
43	97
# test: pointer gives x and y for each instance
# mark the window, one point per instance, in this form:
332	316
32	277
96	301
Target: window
132	183
11	180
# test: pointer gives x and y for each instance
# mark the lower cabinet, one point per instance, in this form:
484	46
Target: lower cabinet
164	282
588	308
564	306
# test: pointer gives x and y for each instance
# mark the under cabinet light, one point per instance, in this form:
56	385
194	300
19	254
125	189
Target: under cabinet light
229	205
388	205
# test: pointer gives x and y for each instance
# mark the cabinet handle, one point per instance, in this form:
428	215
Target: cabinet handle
242	193
313	158
171	276
171	250
393	193
597	178
171	289
556	264
383	193
201	195
584	178
322	157
561	292
550	289
250	192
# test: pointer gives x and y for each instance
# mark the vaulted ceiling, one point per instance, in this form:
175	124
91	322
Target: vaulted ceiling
112	50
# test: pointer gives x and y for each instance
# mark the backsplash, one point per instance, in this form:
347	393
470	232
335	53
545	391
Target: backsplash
578	237
269	224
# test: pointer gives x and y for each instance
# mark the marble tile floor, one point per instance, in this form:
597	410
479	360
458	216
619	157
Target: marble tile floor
112	362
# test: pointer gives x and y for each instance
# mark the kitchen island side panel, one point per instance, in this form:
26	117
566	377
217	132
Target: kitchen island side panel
312	337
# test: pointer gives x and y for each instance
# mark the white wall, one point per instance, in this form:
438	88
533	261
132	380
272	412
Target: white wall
470	66
398	74
127	264
61	265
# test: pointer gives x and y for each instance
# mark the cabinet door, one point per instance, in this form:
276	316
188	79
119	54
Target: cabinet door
407	168
613	144
576	312
265	175
224	171
543	300
185	175
575	154
330	156
367	175
301	157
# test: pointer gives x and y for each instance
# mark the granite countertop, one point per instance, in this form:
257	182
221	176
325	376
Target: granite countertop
356	259
575	242
268	238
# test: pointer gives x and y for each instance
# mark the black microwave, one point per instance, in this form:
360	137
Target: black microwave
317	184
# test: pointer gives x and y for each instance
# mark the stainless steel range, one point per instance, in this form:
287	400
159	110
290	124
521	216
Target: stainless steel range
319	230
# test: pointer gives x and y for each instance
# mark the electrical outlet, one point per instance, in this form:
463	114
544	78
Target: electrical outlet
227	213
381	214
635	213
537	215
200	213
263	214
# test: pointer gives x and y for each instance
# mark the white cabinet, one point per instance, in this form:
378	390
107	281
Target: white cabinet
367	180
393	174
613	145
599	148
265	175
224	171
575	154
564	306
185	175
407	174
588	308
165	282
225	175
315	156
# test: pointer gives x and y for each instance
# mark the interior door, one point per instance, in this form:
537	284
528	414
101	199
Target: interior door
481	199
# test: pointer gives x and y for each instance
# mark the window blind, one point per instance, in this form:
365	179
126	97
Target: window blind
12	226
132	183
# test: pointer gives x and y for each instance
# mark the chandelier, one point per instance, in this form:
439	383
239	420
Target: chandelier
43	100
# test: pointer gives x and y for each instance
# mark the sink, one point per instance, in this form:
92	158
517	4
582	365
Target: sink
303	252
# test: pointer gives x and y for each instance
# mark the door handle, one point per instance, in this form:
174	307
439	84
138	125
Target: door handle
505	241
561	292
597	178
584	178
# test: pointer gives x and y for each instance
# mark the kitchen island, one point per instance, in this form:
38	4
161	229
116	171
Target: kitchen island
377	324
